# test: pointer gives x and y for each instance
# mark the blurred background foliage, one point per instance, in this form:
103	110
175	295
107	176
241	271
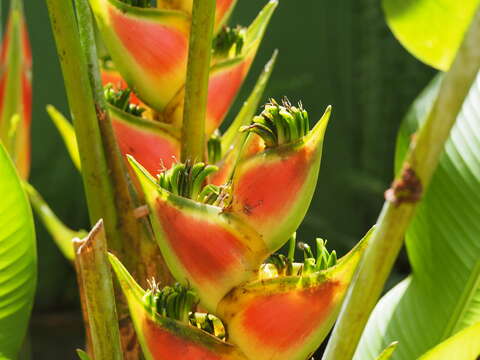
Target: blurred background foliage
331	52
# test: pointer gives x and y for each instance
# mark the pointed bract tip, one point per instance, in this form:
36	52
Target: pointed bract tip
317	134
140	171
127	282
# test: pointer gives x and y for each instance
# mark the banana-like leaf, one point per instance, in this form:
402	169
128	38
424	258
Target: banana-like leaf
431	30
67	132
18	259
442	296
463	346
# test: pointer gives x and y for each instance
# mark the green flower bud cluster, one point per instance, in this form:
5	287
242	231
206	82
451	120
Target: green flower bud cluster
175	302
322	261
188	180
229	41
209	323
280	124
121	100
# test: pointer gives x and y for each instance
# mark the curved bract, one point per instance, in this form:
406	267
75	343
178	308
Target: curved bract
203	246
154	144
149	47
16	89
272	190
165	338
17	259
287	317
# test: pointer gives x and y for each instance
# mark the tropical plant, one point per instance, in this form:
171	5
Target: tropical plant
193	220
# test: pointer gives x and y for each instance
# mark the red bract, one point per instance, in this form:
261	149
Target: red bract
203	246
16	89
272	189
162	337
287	317
154	144
149	47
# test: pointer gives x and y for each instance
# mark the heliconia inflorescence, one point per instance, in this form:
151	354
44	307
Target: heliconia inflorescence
16	89
218	220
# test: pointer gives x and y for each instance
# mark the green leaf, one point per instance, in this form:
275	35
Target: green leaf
442	296
431	30
17	259
83	355
463	346
66	130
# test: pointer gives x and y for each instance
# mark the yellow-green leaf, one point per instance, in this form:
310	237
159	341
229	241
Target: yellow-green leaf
431	30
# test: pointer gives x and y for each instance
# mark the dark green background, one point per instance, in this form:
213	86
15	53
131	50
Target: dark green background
331	52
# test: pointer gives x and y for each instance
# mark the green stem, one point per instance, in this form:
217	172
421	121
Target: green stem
398	211
130	230
95	172
196	87
96	278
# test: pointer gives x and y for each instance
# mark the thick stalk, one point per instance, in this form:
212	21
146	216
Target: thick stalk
144	258
96	278
402	199
196	87
95	172
106	192
122	200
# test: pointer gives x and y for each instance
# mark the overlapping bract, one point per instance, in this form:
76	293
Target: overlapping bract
164	337
16	89
282	314
158	80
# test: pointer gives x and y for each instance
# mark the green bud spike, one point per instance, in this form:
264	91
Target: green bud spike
175	302
229	42
120	98
141	3
188	181
280	124
209	323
